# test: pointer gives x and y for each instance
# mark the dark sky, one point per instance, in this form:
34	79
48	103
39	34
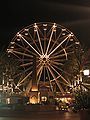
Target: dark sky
16	14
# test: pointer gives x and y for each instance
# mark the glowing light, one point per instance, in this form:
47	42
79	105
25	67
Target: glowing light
33	100
26	29
63	29
68	92
43	98
54	30
12	46
71	39
18	39
16	87
77	43
45	29
54	26
35	30
12	42
9	50
86	72
35	25
71	35
26	33
34	88
44	25
8	100
18	34
77	81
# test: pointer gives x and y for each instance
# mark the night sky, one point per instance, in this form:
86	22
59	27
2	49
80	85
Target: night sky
17	14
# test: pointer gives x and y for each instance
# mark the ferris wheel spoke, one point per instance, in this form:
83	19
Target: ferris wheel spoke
28	88
66	48
23	84
20	78
34	41
49	31
36	28
24	60
56	42
30	45
49	79
61	71
62	91
24	48
67	43
31	40
37	46
26	64
40	32
49	42
64	83
56	78
17	87
39	74
59	74
44	41
26	70
57	60
40	42
65	53
38	65
61	82
59	44
16	56
21	53
59	56
38	71
21	73
57	53
44	74
24	79
57	63
16	75
62	55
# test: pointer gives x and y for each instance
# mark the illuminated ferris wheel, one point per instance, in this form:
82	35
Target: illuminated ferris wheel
53	46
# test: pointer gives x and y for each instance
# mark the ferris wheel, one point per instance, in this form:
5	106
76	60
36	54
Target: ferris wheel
53	46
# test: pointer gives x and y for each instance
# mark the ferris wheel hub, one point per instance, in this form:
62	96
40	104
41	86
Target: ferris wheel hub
44	59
